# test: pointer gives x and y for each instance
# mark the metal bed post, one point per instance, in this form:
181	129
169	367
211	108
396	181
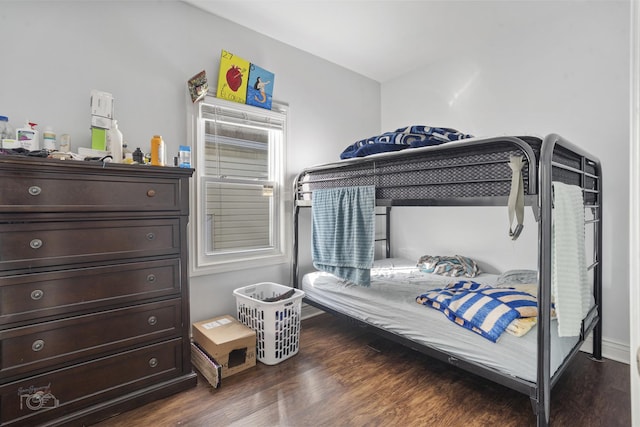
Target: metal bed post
597	330
388	231
295	273
296	214
545	200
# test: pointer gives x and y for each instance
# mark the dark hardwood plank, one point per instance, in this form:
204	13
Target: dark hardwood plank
337	379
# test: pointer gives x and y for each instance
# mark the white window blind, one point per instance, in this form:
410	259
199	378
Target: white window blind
240	176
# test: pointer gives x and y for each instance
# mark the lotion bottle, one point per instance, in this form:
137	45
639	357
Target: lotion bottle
114	142
157	151
49	139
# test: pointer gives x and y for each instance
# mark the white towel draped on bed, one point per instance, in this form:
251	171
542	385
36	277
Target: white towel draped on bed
569	283
343	232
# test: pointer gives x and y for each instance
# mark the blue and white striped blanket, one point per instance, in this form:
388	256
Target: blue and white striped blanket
343	232
482	309
406	137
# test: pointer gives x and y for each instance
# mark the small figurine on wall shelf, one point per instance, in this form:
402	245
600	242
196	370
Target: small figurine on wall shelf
198	86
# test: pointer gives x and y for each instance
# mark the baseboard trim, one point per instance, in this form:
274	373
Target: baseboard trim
309	311
610	349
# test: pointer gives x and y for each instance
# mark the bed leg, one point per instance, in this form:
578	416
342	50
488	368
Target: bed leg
597	342
542	418
534	405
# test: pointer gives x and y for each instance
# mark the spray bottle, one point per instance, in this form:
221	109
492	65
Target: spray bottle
27	136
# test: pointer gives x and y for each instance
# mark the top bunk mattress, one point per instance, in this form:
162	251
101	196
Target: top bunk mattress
390	304
455	173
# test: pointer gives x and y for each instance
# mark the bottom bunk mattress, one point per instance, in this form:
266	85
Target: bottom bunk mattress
390	304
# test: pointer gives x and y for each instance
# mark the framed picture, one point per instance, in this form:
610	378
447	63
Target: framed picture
198	86
260	87
233	78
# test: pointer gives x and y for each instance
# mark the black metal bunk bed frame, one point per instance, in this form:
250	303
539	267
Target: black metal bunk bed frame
476	172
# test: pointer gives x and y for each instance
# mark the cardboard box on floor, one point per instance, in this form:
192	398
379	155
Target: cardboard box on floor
206	365
229	342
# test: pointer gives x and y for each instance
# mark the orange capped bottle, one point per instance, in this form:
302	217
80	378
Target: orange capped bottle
157	151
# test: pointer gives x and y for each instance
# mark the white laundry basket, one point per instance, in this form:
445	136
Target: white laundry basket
277	324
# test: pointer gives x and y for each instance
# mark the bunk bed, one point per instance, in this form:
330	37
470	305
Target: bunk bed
466	173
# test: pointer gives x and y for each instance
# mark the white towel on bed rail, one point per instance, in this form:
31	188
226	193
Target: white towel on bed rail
569	284
343	232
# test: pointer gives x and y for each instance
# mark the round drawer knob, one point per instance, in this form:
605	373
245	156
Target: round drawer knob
37	345
37	294
151	193
151	278
151	236
34	190
153	362
35	243
152	320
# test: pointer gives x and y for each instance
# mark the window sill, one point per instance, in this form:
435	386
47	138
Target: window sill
238	265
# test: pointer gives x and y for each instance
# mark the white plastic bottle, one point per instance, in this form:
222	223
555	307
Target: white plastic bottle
49	139
114	142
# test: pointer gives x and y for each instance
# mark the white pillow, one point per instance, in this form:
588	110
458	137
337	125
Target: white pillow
512	277
395	263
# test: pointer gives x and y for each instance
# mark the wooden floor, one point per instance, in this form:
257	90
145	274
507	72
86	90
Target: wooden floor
338	380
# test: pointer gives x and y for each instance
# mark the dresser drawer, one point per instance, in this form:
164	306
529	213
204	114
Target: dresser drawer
33	400
31	296
48	344
39	244
34	191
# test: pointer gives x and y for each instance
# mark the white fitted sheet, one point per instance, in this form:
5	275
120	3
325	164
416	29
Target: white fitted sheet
389	303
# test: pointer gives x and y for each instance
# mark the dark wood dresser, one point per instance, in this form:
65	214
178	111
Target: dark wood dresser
94	296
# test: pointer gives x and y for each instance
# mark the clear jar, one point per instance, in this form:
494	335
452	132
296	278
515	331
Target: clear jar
5	129
7	134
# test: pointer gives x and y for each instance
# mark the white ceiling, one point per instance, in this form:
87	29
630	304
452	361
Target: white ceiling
384	39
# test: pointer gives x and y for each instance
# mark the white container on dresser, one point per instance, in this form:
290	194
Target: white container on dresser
94	301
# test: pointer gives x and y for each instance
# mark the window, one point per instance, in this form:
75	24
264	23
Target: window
239	161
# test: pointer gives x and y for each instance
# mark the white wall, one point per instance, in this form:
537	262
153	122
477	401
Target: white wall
143	52
546	67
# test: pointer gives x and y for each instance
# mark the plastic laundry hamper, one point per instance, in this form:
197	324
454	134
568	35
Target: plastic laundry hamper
277	324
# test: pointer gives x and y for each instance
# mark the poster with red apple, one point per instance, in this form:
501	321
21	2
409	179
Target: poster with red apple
233	78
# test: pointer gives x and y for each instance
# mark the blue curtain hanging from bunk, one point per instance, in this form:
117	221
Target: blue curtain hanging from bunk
343	232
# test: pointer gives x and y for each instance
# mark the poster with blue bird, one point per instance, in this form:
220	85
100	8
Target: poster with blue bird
260	87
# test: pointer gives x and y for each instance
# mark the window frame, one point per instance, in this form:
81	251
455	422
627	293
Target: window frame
202	263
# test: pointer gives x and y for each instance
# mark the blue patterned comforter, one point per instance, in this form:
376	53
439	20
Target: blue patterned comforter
400	139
